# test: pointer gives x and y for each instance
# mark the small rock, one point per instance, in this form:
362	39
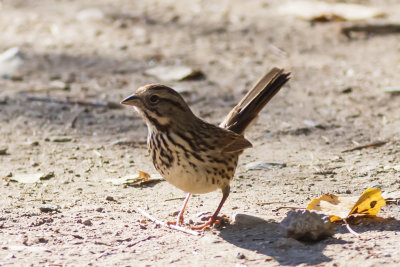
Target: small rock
87	222
10	62
288	243
35	143
34	164
42	240
62	139
260	165
4	100
110	198
3	150
307	225
49	208
47	176
175	73
27	178
100	209
309	123
57	84
245	219
240	256
90	14
175	213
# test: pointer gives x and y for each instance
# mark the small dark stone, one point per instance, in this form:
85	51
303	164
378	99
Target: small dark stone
100	209
46	208
175	213
110	198
35	143
47	176
3	150
87	222
42	240
240	256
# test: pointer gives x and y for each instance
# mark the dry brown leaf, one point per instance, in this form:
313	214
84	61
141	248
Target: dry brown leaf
174	73
322	11
139	179
340	208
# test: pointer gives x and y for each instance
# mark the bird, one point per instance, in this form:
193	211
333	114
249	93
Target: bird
193	155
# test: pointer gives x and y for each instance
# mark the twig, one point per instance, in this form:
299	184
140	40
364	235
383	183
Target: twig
134	143
351	230
292	208
270	203
137	242
182	229
374	144
71	101
177	198
387	28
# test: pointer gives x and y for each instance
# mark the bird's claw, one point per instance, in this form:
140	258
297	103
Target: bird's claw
207	225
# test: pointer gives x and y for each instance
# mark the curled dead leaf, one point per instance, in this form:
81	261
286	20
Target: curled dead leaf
340	208
140	179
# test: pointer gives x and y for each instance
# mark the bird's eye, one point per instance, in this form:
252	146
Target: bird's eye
154	99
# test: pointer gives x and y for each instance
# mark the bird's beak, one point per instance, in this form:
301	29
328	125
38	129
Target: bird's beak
131	100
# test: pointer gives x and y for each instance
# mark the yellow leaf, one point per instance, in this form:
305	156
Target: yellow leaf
336	207
339	208
370	202
143	175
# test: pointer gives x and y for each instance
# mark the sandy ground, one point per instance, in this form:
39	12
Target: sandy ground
335	101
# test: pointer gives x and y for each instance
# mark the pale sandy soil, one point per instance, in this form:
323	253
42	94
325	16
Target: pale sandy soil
232	43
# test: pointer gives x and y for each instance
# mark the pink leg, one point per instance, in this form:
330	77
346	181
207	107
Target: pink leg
179	220
225	194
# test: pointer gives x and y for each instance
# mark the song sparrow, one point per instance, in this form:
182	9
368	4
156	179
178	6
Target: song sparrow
194	155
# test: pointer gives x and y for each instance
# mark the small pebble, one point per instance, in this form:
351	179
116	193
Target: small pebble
49	208
245	219
42	240
240	256
3	150
110	198
35	143
175	213
47	176
87	222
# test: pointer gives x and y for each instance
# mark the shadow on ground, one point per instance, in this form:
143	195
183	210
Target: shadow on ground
267	238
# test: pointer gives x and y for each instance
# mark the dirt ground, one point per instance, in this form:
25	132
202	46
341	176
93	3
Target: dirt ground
335	101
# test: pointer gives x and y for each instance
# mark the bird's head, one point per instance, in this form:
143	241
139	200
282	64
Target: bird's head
160	106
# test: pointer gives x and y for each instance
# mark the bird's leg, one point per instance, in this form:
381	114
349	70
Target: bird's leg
179	220
213	218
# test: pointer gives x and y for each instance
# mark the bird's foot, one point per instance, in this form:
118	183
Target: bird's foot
178	222
212	220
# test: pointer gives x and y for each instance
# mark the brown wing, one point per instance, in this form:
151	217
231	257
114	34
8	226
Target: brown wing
229	142
237	145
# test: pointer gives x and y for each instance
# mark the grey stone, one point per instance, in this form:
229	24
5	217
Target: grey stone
307	225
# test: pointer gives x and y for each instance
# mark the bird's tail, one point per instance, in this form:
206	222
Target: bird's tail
256	98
